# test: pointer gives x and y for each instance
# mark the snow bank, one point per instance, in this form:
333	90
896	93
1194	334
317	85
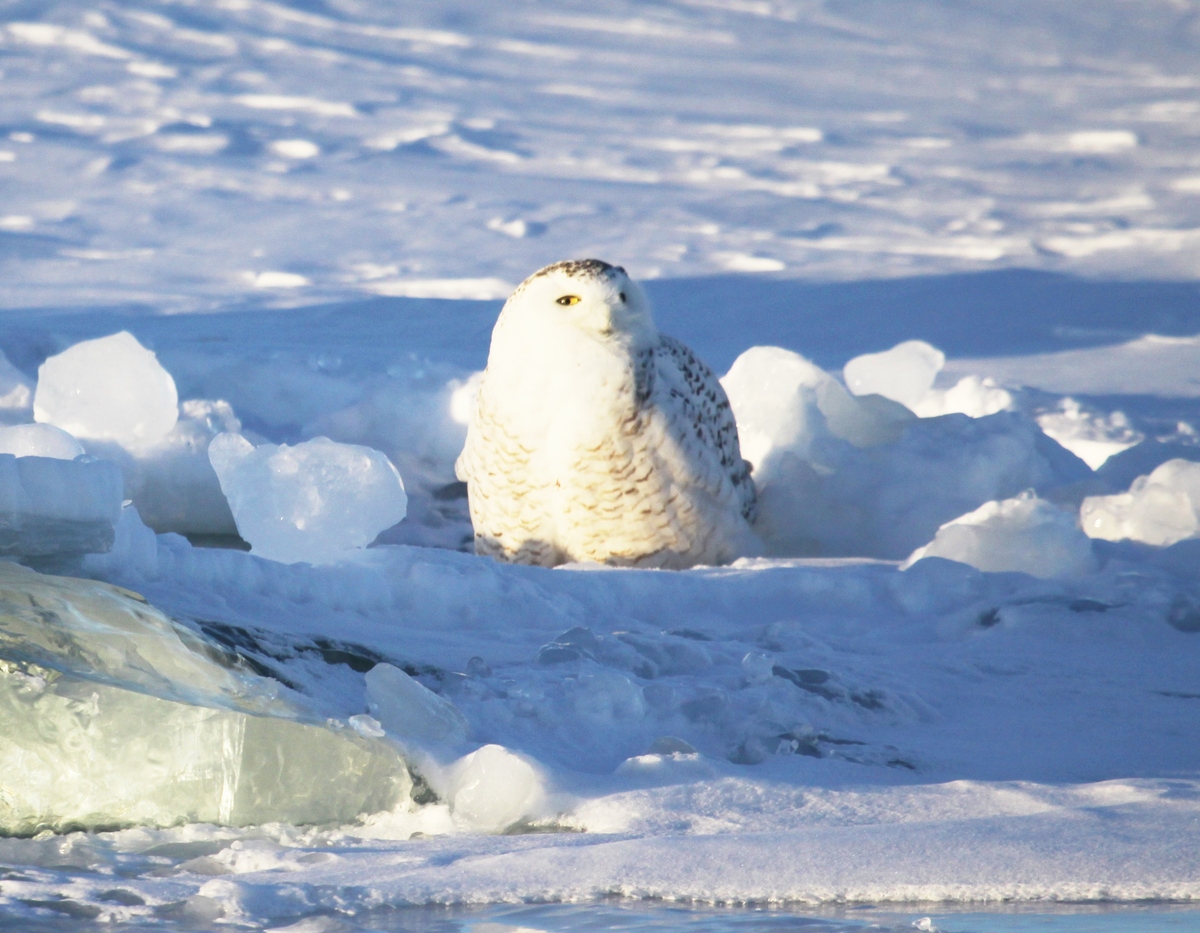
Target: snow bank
1024	534
1158	509
313	502
112	715
862	475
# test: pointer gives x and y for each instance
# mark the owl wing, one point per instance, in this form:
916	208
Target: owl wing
505	502
694	400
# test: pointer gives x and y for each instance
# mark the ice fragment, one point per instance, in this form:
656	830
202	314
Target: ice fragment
1025	534
111	388
313	502
52	506
111	715
39	440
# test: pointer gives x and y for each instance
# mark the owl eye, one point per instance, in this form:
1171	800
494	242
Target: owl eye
568	300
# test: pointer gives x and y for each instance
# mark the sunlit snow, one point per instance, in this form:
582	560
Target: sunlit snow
946	258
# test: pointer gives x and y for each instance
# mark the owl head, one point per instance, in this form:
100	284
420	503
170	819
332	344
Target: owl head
597	298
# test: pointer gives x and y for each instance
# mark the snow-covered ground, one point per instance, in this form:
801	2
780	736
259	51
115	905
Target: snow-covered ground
310	212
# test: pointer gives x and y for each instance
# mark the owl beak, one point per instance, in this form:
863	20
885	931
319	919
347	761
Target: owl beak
604	321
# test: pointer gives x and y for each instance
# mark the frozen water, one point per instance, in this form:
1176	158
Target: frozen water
111	715
1092	436
411	713
39	440
172	482
904	373
1024	534
111	388
321	184
971	395
16	393
54	506
494	788
862	474
313	502
784	402
134	551
1158	509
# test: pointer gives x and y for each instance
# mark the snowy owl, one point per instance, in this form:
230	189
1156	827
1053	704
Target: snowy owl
595	438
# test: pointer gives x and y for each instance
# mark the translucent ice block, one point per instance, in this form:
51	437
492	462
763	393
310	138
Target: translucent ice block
112	715
53	506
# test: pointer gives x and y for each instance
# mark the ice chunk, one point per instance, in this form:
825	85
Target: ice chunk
16	393
111	388
970	396
1024	534
1091	436
411	713
313	502
39	440
50	506
134	552
1158	509
905	373
417	417
494	788
113	715
781	401
861	475
172	482
887	500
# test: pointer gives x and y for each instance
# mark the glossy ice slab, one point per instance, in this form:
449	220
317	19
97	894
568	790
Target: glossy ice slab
112	715
50	506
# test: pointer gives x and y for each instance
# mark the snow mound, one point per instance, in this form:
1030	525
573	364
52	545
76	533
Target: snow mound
39	440
862	475
53	506
113	715
1158	509
1024	534
111	388
313	502
906	374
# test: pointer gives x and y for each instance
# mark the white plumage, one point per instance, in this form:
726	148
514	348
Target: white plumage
597	438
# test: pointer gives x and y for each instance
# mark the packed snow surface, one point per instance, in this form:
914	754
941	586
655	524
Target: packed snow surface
944	255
